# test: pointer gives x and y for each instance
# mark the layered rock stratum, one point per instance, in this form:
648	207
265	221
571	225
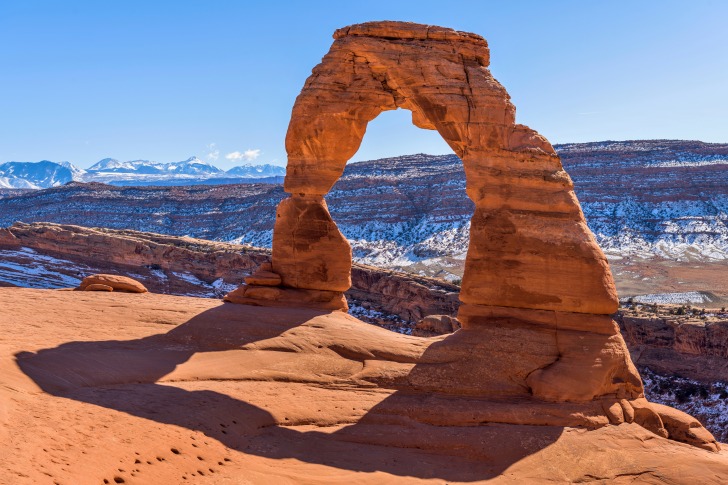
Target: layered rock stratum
44	255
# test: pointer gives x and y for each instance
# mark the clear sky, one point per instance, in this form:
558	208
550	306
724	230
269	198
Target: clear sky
165	80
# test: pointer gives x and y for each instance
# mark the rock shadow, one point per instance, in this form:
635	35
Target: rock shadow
123	376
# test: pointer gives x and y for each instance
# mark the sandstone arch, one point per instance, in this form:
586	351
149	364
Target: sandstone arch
533	268
537	291
530	246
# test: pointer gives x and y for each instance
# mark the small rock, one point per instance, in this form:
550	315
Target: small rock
116	282
433	325
98	287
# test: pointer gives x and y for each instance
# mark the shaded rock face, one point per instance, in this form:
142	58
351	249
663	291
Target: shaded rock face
675	345
537	292
433	325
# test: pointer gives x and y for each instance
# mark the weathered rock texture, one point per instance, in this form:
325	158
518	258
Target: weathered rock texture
111	282
685	346
530	246
537	292
434	325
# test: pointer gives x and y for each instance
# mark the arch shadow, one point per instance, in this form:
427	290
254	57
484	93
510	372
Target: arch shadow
124	375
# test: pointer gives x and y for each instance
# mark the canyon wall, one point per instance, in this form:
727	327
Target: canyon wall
189	266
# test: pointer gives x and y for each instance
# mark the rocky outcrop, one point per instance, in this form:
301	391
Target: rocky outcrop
433	325
537	291
178	265
685	428
206	260
686	335
686	346
98	287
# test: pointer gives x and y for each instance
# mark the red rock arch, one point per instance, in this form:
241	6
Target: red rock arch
537	291
529	246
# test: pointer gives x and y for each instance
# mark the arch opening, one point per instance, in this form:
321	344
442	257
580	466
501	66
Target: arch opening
392	134
405	220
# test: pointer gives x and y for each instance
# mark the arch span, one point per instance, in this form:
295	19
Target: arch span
530	246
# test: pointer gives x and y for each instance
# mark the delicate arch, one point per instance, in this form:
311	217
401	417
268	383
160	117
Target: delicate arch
529	246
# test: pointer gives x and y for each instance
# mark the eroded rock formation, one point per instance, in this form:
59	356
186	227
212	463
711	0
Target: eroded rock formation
537	292
111	282
530	246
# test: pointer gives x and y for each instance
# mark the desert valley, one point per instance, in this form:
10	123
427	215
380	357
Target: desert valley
514	312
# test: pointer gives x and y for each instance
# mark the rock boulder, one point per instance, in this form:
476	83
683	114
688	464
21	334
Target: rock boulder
115	282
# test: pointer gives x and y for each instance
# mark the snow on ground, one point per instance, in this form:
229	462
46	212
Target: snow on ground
216	289
688	297
390	322
706	402
222	288
36	270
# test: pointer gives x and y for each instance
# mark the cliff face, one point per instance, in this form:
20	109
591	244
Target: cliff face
46	255
658	209
691	347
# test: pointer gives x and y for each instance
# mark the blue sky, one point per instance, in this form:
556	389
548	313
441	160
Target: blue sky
80	81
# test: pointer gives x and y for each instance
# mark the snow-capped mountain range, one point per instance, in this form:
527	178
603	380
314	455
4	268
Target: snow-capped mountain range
47	174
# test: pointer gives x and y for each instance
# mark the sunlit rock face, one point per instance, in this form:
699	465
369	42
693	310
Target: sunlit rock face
530	246
537	292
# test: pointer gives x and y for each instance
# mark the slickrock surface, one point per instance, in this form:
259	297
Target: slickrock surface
184	390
